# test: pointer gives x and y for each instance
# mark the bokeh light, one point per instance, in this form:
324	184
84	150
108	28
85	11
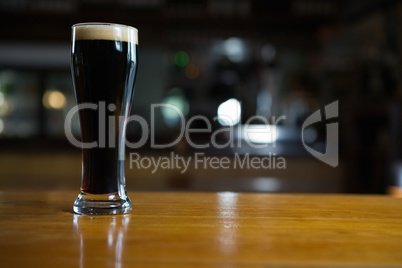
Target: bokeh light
1	98
54	99
192	71
260	133
235	49
181	58
4	105
229	112
176	98
5	108
268	52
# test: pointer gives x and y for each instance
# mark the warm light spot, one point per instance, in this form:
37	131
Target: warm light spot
192	71
1	98
54	99
229	112
5	108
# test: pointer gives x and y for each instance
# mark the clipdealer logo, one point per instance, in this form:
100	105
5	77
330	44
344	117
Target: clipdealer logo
202	161
331	155
107	139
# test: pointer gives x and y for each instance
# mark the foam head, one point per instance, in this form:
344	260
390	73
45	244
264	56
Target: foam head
104	31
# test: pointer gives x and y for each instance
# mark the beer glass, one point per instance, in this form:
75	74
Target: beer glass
103	65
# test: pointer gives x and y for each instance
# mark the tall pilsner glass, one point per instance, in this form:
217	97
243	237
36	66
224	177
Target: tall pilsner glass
104	65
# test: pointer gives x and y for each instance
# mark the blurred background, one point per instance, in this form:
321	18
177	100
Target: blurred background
210	58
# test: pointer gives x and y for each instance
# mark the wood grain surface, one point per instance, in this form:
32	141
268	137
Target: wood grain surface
38	229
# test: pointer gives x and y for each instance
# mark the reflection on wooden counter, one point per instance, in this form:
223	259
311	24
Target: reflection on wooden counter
38	229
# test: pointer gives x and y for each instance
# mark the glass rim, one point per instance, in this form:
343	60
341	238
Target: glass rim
86	24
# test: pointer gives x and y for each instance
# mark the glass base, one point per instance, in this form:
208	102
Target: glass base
101	204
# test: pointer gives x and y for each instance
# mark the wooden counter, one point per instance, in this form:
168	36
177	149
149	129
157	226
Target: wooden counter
38	229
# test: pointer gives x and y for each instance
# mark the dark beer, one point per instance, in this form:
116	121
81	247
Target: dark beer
104	69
